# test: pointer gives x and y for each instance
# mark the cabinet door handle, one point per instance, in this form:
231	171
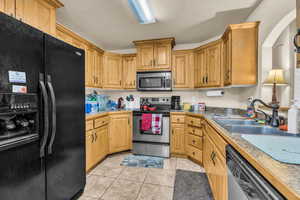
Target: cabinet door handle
203	80
93	138
134	82
206	79
96	136
172	132
194	141
120	82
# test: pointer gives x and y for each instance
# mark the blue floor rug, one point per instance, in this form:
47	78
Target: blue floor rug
143	161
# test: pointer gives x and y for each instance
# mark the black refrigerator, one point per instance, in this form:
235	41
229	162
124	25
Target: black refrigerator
42	115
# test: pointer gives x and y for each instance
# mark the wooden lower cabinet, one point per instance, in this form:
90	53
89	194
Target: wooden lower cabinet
89	139
96	146
177	139
215	166
120	132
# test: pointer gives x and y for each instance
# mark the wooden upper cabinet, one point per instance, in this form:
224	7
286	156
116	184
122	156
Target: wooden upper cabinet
40	14
240	43
182	68
112	71
8	7
226	58
145	56
200	68
162	55
154	54
208	69
98	59
129	71
89	67
213	68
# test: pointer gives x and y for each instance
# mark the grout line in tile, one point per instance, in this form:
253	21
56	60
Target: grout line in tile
142	185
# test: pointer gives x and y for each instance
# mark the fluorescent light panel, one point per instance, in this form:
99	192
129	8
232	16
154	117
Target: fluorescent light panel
142	10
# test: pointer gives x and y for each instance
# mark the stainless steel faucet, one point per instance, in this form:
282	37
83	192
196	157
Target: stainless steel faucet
274	121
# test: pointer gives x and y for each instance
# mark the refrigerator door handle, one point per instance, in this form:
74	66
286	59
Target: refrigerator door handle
53	114
46	115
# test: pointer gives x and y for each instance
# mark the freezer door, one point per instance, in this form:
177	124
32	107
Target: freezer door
65	162
21	55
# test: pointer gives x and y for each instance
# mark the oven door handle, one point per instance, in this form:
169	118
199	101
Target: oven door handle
46	115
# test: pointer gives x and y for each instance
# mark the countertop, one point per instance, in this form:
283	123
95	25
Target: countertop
284	177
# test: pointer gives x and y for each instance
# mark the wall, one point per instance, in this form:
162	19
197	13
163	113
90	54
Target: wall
283	57
270	13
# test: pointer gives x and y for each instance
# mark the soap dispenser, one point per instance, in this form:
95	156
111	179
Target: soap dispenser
293	118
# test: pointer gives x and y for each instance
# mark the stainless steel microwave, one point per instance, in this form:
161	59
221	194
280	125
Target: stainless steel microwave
154	81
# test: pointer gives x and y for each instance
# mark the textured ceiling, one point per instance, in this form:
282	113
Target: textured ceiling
112	25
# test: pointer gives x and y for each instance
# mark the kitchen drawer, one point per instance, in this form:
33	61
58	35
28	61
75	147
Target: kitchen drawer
217	139
195	141
193	121
179	119
194	130
101	121
194	153
89	125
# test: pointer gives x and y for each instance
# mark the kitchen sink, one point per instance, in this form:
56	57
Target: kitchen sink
259	130
225	122
248	126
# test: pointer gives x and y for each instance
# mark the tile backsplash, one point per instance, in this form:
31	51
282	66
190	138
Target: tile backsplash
233	97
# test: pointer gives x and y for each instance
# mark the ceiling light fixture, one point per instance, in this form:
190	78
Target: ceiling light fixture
142	11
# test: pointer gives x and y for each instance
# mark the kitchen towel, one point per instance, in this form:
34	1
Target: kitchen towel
146	122
156	124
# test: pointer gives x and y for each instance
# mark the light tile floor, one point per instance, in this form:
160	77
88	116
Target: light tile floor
111	181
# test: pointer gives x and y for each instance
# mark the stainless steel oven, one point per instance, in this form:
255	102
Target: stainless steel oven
148	143
154	81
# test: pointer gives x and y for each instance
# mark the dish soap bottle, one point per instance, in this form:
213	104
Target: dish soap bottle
293	118
250	109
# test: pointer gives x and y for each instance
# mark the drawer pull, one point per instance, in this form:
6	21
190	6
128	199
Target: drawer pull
193	141
193	153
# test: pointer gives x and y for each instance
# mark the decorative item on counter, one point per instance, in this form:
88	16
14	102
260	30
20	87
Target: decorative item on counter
121	104
202	106
275	78
294	118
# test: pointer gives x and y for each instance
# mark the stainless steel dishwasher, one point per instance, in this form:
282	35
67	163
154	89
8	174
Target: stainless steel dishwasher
245	182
